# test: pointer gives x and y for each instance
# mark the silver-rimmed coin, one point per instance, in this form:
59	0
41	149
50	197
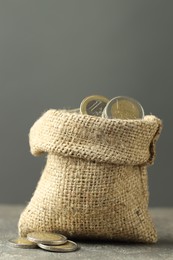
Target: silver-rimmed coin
103	113
123	108
93	105
22	242
69	246
47	238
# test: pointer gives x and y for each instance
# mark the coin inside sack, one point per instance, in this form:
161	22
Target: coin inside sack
47	238
22	242
93	105
74	110
69	246
123	108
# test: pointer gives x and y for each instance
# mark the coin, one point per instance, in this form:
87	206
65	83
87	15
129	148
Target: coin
103	113
123	108
69	246
93	105
22	242
74	110
47	238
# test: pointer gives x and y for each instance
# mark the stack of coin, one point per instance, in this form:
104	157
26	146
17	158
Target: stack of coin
117	108
53	242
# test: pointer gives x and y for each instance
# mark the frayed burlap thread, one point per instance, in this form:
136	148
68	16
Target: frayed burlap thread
94	184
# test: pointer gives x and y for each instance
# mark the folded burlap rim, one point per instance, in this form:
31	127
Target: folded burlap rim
117	141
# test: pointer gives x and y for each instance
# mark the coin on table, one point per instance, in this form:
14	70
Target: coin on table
69	246
22	242
123	108
47	238
93	105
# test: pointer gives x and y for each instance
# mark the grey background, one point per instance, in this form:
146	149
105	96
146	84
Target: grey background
54	53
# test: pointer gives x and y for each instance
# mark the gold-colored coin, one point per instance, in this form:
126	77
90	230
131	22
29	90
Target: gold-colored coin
93	105
22	242
69	246
123	108
47	238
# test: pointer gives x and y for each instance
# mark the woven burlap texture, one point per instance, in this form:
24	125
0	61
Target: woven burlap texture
94	184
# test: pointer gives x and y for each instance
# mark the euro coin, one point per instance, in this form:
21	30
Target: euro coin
103	113
123	108
93	105
22	242
74	110
47	238
69	246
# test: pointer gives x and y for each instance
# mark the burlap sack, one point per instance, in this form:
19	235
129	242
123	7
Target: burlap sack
94	184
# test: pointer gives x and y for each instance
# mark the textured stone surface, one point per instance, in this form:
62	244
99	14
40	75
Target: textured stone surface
90	250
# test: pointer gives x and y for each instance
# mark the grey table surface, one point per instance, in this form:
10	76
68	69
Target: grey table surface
163	249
